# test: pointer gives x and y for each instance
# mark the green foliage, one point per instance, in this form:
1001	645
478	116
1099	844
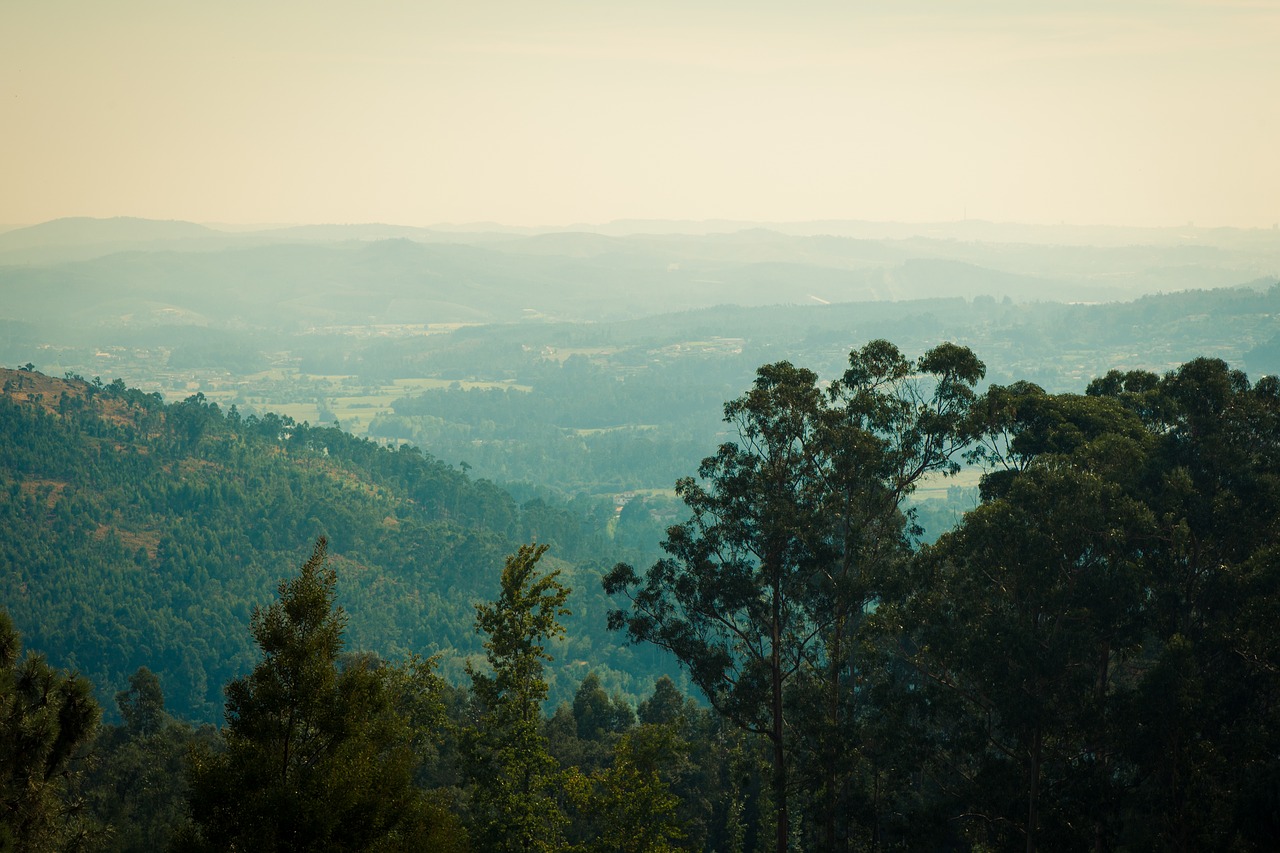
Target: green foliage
1034	621
1084	662
627	807
46	717
142	705
136	788
1088	660
315	756
513	804
1091	671
137	534
797	526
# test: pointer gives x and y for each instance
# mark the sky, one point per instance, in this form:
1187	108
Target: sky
417	112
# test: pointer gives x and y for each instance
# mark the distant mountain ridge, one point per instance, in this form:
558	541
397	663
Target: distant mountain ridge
81	230
81	273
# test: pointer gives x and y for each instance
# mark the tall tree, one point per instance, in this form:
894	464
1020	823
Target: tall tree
1098	626
1034	610
514	807
142	705
792	528
317	755
1206	736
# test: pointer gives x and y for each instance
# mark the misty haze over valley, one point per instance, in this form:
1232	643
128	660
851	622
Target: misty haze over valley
389	330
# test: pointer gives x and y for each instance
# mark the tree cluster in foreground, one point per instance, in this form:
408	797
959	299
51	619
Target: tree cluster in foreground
1088	661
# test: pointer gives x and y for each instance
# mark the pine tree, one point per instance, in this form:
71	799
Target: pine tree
318	755
46	715
506	754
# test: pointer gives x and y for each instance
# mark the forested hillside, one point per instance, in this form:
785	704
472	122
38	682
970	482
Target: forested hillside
134	533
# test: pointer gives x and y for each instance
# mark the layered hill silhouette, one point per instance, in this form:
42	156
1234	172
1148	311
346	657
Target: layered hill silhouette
89	273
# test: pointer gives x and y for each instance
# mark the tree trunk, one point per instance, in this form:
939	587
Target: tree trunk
833	736
779	752
1033	788
1100	749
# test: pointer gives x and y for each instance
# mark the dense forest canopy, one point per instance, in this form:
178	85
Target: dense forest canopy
142	534
1086	660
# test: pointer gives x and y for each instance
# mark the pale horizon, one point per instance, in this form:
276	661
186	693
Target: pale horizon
722	224
1131	114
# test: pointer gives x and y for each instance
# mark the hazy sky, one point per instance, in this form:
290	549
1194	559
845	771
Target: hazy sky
554	111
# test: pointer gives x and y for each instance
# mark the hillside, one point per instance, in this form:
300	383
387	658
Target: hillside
138	534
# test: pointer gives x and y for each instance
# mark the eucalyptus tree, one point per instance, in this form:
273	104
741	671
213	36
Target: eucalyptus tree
1097	631
1030	614
793	529
1206	734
